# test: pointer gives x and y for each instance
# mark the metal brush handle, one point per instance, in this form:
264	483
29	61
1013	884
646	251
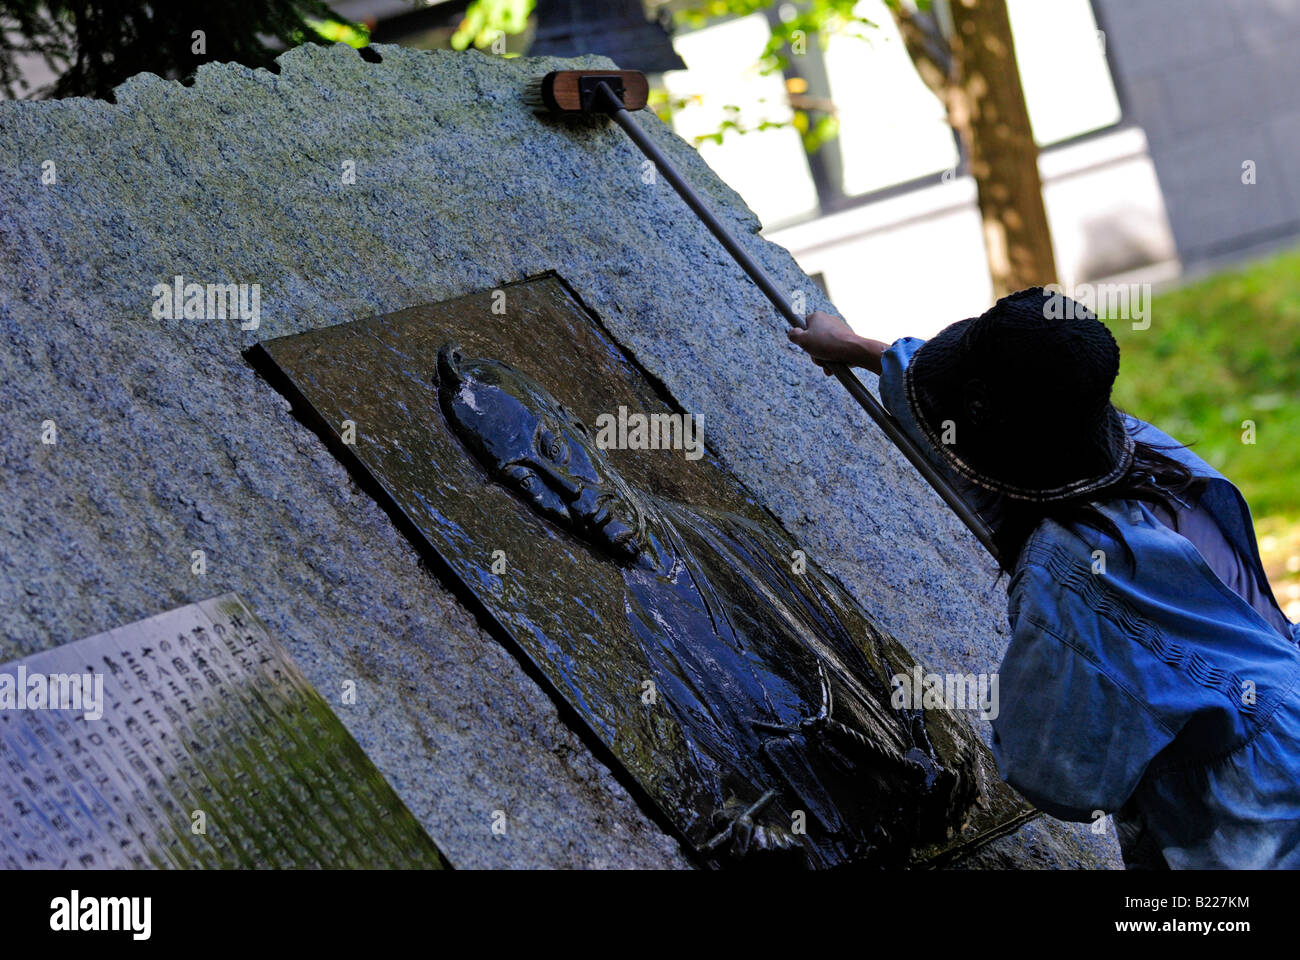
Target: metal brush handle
841	372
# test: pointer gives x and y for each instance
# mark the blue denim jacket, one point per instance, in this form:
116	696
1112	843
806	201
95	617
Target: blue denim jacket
1152	693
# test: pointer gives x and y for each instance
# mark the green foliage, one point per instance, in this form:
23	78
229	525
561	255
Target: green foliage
94	45
732	122
486	20
340	31
792	34
1219	352
811	19
815	129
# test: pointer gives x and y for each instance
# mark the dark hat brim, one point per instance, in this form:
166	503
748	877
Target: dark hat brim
1090	463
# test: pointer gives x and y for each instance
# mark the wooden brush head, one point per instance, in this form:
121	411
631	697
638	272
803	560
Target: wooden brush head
571	91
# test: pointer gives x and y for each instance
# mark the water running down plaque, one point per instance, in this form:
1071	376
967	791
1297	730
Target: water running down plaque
744	690
188	740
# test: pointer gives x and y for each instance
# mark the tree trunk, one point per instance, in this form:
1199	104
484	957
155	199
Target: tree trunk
974	73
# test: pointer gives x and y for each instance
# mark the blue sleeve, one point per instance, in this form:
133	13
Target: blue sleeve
892	364
893	396
1070	735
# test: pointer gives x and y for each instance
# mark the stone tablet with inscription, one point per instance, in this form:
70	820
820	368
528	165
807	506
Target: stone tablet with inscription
576	506
188	740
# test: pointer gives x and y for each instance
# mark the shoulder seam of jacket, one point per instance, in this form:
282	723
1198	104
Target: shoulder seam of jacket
1099	597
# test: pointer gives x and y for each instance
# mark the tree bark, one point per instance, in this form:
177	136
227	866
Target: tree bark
973	71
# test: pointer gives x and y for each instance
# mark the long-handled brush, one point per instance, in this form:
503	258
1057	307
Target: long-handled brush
616	92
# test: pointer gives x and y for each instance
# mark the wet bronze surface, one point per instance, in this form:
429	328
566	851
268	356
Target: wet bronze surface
751	702
202	713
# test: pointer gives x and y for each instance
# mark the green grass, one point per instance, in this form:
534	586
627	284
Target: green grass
1221	351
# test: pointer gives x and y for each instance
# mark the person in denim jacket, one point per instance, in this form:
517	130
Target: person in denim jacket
1151	675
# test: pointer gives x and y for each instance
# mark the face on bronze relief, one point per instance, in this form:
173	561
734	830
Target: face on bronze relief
530	444
749	699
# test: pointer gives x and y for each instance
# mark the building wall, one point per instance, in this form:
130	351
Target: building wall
903	253
912	264
1214	85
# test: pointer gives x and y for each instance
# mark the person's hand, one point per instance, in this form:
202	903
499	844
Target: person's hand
828	339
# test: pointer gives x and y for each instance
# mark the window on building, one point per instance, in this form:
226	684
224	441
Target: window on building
768	168
1063	69
892	130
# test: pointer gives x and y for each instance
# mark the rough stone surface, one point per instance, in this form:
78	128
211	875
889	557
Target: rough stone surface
168	442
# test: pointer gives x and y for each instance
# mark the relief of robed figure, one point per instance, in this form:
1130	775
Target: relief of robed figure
778	682
738	683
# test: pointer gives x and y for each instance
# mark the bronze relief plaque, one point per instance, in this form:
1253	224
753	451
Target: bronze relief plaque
569	500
